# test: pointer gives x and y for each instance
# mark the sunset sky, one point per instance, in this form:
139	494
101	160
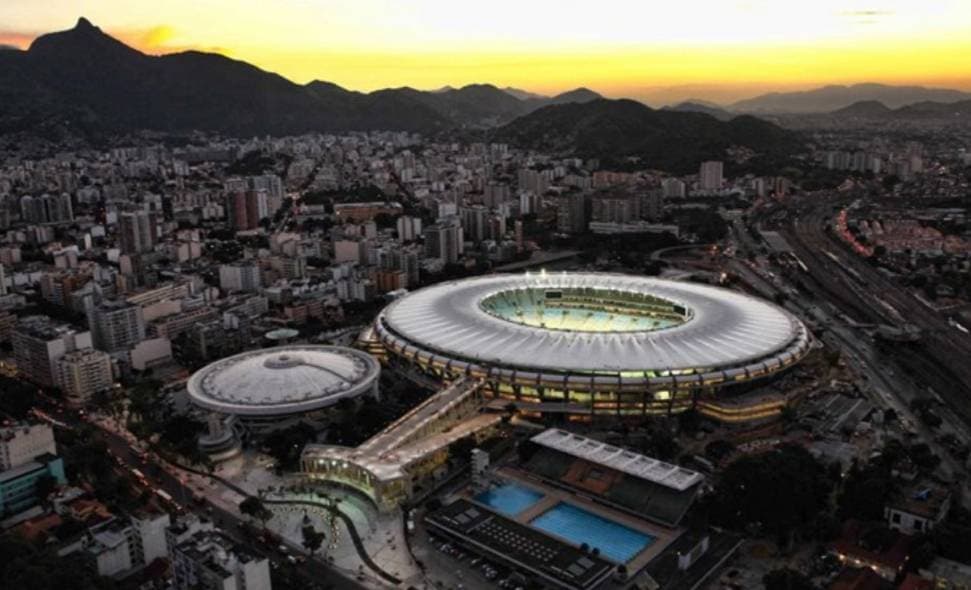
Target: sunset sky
655	51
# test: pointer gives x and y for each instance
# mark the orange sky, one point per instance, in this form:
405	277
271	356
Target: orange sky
656	51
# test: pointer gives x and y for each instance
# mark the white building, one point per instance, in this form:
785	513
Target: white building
83	373
21	443
239	276
207	559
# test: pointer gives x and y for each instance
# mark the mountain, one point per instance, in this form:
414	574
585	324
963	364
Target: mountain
667	140
831	98
577	95
523	94
925	110
695	107
83	81
864	109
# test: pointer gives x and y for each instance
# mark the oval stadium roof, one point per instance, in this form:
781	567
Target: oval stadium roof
721	329
283	380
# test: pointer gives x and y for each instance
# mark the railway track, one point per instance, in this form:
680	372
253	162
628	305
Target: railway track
938	361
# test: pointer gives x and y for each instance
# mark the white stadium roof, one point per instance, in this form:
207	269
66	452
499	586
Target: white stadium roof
283	380
724	329
642	466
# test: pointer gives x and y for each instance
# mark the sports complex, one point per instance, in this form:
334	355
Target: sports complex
589	343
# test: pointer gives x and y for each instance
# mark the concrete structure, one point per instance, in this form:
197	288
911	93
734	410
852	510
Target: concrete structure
137	232
273	387
21	443
18	486
444	240
918	508
83	373
590	343
710	176
116	326
389	466
38	343
209	560
239	276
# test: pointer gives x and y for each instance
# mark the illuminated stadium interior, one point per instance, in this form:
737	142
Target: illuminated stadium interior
587	309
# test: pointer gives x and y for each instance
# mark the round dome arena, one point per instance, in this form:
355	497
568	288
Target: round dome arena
593	340
283	381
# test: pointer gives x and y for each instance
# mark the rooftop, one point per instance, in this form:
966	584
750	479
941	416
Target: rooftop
283	380
593	323
653	470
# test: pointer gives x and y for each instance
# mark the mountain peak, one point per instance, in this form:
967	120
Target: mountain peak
84	25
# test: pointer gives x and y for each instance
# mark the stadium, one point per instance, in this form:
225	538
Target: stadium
273	387
589	343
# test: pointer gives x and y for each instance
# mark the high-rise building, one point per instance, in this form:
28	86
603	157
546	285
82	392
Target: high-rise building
240	276
116	326
46	209
38	343
83	373
444	240
409	228
137	232
22	443
571	213
673	188
615	208
710	176
245	209
529	203
474	222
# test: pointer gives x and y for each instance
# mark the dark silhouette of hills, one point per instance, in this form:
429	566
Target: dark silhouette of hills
831	98
84	80
700	107
864	109
664	139
924	110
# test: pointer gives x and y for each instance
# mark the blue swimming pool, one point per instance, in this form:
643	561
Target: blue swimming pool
617	542
509	499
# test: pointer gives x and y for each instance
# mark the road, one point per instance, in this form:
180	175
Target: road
311	574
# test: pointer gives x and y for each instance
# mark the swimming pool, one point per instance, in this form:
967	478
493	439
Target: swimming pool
509	499
617	542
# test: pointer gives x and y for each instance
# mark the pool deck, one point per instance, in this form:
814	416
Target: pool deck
552	496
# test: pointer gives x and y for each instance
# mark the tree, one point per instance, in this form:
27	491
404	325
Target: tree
751	486
252	506
787	579
312	538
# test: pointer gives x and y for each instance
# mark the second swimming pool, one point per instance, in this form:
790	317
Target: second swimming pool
509	499
615	541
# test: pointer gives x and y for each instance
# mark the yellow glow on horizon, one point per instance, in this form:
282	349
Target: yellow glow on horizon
729	48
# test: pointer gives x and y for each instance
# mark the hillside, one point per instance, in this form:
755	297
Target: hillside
831	98
83	81
618	129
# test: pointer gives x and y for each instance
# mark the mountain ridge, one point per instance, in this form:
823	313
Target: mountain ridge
88	81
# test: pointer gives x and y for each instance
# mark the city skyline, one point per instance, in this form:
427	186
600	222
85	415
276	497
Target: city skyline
725	52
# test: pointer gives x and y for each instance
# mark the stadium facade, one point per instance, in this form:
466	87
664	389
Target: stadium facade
591	343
